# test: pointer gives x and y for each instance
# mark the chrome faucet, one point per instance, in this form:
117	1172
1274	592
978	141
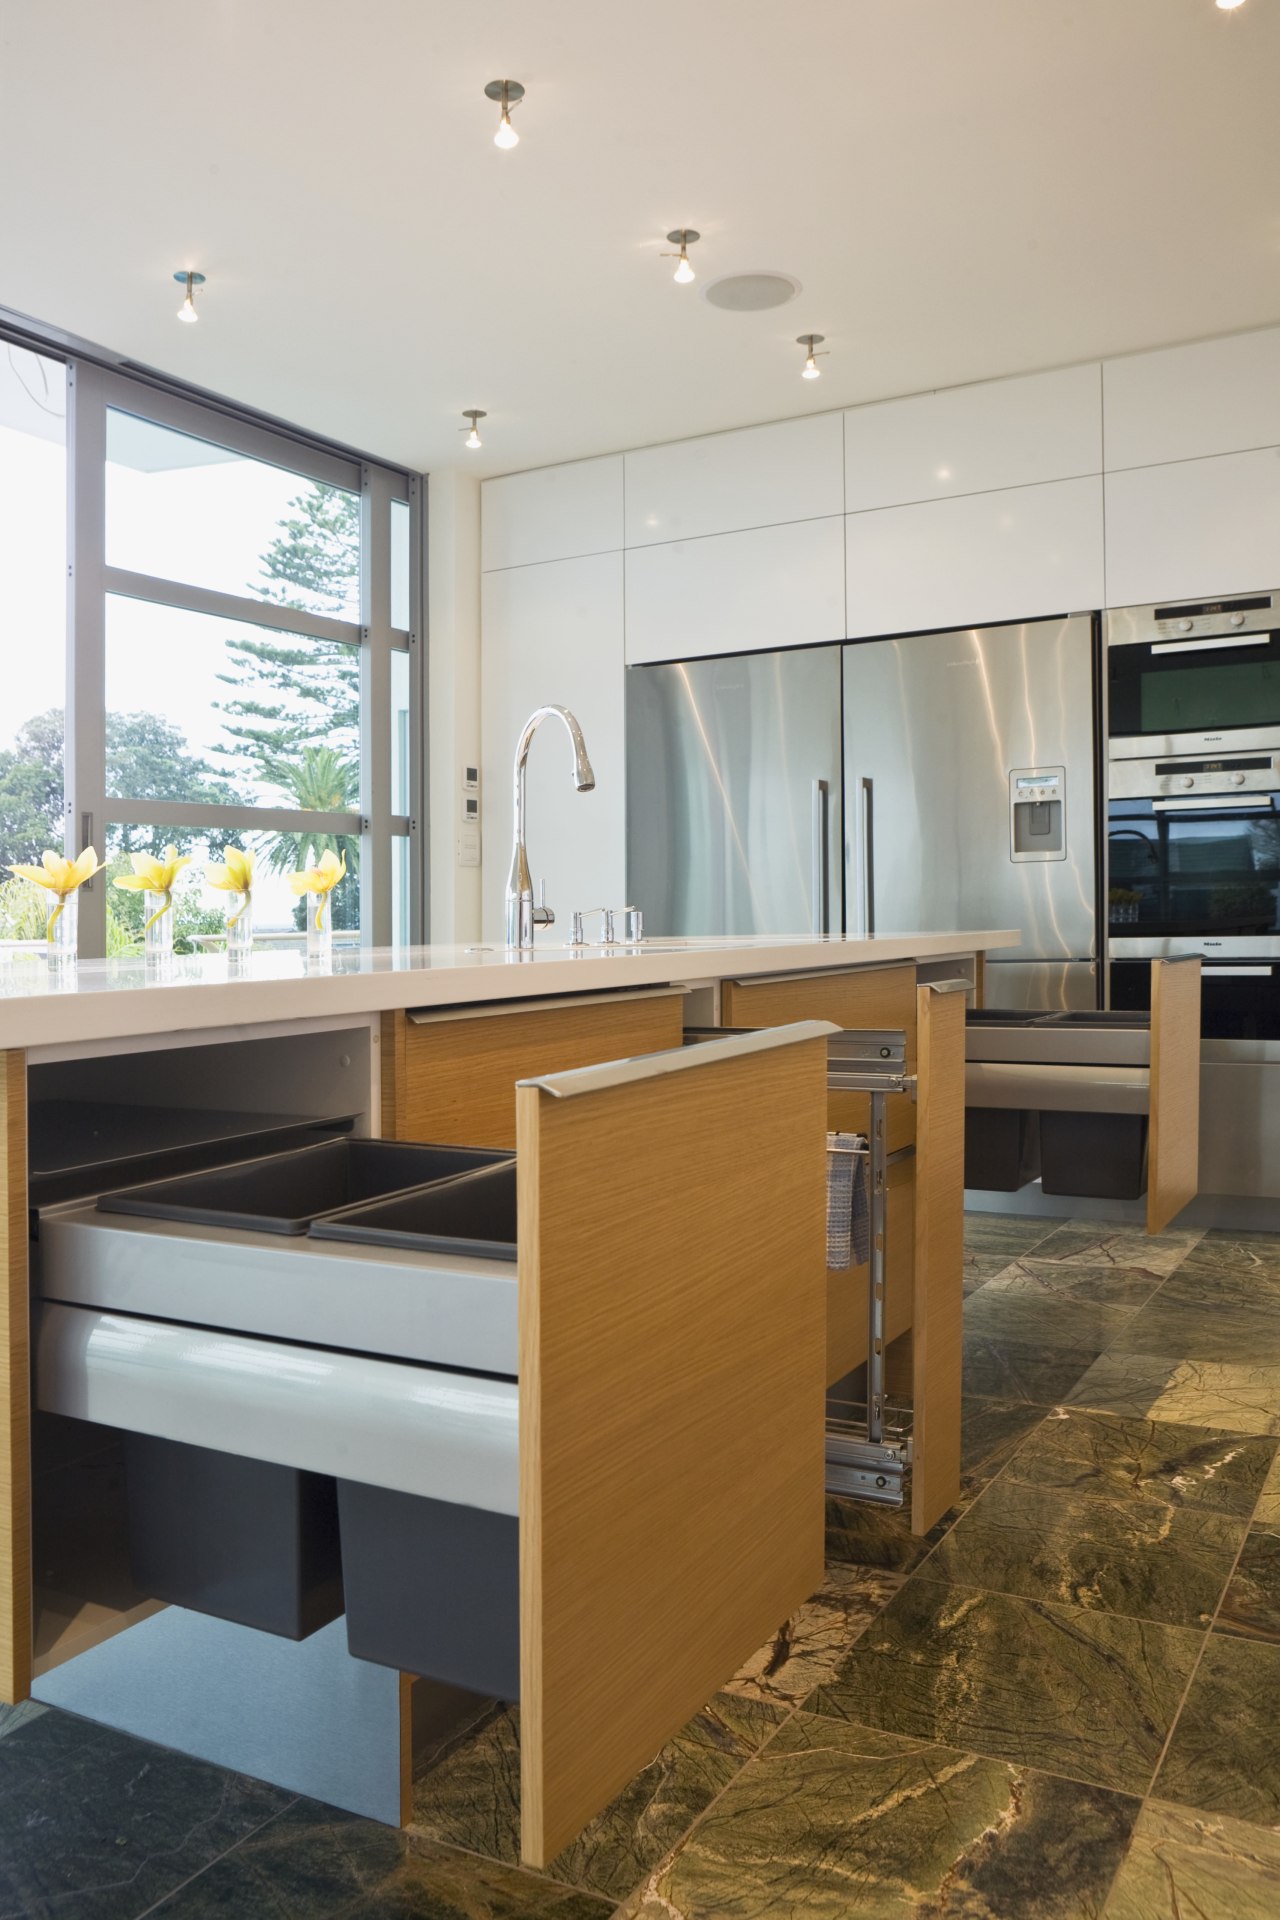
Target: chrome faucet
522	915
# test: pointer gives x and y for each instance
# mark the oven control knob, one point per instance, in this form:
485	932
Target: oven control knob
1186	781
1237	779
1185	626
1237	619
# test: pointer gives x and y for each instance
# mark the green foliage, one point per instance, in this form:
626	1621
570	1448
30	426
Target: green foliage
127	912
23	910
31	817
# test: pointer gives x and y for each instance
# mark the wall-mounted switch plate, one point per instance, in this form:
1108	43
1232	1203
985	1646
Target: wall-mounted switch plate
469	844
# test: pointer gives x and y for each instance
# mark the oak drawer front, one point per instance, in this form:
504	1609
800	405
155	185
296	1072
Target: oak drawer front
872	997
454	1080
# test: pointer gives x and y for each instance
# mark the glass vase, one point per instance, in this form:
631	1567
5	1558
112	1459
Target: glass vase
319	926
240	931
62	928
157	935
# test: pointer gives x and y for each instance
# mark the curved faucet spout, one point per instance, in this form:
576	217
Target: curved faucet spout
522	915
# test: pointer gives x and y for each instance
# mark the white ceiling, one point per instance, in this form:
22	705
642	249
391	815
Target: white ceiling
964	188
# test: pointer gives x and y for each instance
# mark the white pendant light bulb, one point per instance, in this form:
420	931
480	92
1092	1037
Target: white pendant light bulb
810	342
682	238
475	415
506	93
1229	6
190	280
472	439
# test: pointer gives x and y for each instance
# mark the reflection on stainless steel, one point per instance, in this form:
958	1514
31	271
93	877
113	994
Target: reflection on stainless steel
979	746
522	915
727	832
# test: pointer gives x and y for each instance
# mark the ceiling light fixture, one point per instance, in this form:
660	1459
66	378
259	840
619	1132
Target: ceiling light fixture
508	93
474	415
187	311
811	342
1229	6
684	238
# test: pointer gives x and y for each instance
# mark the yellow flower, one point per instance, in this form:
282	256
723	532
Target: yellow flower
154	876
321	879
235	877
61	877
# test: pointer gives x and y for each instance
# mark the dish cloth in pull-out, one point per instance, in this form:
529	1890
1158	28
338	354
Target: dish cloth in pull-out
848	1205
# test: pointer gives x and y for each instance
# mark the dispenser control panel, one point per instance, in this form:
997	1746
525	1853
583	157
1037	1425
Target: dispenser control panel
1038	813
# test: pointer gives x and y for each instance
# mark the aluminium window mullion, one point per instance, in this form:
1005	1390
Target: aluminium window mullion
84	728
187	598
375	707
419	892
187	814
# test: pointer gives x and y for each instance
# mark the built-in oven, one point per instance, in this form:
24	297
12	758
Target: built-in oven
1191	677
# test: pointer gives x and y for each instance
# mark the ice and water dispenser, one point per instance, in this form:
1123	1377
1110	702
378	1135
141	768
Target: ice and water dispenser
1038	813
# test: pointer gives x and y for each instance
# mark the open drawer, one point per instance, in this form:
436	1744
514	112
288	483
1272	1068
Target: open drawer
665	1322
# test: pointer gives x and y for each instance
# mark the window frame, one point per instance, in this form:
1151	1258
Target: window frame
93	390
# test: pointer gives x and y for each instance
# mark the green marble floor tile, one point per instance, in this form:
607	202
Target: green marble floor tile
1267	1512
1086	1243
860	1535
1140	1558
835	1821
1113	1457
1225	1753
1110	1286
981	1267
1016	1307
1090	1695
1228	1316
1005	1369
1009	1234
1196	1866
1251	1605
314	1863
808	1648
1218	1253
991	1433
470	1796
1237	1396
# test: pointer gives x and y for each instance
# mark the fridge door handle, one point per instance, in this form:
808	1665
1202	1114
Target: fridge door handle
868	857
821	859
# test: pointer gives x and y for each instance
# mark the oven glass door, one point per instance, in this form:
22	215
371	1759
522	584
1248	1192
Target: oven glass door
1239	1000
1193	687
1210	870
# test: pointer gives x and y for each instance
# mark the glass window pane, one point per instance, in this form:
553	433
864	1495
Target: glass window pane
401	890
400	599
33	620
187	509
399	733
279	915
219	712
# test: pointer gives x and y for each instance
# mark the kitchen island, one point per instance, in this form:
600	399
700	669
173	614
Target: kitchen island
599	1487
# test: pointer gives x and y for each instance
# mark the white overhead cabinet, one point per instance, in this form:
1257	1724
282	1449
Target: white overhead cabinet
725	482
1183	403
553	513
553	633
736	592
1194	529
1001	433
976	559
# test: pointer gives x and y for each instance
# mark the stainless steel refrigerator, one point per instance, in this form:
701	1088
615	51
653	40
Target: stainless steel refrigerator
937	782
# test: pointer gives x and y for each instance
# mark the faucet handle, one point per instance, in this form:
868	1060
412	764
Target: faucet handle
542	913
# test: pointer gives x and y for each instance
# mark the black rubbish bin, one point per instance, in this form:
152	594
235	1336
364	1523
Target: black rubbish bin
432	1588
474	1214
1001	1148
245	1540
1096	1156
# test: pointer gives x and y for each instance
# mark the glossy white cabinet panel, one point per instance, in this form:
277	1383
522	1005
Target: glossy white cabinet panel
553	633
736	592
1181	403
552	513
1196	529
1001	433
724	482
450	1436
979	559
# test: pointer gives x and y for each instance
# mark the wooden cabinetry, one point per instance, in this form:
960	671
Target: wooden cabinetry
450	1077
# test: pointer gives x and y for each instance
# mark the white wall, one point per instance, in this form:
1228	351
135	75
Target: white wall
1101	485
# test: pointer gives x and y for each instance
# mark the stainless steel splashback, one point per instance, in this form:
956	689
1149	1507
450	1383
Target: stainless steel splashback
733	794
947	735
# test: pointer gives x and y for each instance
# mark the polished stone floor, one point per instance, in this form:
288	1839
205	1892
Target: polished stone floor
1062	1705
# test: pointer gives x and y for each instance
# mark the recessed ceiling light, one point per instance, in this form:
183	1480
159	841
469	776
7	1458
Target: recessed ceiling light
751	292
507	93
189	280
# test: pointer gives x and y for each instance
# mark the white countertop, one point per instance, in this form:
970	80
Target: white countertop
93	1000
